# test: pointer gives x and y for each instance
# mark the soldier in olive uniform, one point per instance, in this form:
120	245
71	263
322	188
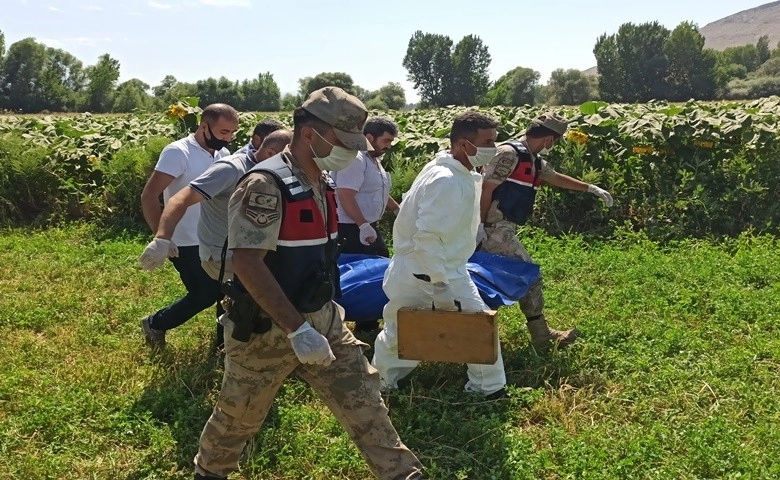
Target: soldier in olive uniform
509	188
282	231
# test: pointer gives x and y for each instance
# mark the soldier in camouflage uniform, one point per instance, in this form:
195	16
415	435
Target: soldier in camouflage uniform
282	221
508	191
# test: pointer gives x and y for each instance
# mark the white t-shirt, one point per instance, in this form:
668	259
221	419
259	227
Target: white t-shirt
372	184
185	160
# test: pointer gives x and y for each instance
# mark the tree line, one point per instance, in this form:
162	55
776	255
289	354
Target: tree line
36	78
638	63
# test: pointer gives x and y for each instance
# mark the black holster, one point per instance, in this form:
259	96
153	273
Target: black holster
244	312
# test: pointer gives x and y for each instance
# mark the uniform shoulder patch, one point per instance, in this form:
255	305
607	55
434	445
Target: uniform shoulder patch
261	217
504	166
263	201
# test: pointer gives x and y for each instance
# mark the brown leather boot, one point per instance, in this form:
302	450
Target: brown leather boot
543	337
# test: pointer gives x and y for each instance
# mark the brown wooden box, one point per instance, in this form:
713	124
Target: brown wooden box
446	336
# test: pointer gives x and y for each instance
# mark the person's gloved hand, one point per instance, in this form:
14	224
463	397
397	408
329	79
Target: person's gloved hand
367	234
156	252
481	235
444	297
311	346
602	194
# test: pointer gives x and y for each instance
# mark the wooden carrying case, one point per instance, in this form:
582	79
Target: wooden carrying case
448	336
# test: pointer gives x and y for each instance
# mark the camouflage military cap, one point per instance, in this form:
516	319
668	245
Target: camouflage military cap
342	111
551	120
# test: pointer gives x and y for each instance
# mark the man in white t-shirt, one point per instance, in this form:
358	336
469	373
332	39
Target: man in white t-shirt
362	195
181	162
363	192
215	185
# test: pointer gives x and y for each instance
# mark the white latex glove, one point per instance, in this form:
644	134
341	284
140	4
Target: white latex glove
367	234
311	346
443	297
481	235
602	194
156	252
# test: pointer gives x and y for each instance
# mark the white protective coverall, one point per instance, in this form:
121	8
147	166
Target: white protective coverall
434	235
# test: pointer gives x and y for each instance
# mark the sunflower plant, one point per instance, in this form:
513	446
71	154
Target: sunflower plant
185	115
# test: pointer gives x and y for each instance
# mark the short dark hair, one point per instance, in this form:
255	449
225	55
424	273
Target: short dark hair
468	123
264	127
378	126
277	140
302	117
540	131
215	111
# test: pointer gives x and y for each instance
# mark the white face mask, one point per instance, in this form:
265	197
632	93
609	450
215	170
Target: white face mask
339	157
483	157
546	150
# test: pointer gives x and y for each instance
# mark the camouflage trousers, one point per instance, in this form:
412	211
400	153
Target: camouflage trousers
502	240
254	372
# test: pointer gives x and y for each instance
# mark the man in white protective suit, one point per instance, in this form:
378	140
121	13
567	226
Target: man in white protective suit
433	238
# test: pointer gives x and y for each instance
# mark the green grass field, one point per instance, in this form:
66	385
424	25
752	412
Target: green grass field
675	377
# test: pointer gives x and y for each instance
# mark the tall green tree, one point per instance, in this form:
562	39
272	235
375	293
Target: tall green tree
35	78
132	95
170	90
102	82
569	87
219	90
745	55
391	96
290	102
20	77
445	75
470	63
63	80
763	52
166	84
691	66
324	79
428	60
776	51
516	87
632	64
261	94
770	68
611	77
2	47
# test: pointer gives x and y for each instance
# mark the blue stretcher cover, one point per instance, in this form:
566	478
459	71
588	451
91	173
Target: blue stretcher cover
500	281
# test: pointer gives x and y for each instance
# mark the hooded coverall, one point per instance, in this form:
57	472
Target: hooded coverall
434	236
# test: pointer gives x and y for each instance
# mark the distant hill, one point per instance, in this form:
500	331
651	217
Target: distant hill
742	28
591	72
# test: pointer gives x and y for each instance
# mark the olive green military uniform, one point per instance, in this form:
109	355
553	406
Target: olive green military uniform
255	370
502	233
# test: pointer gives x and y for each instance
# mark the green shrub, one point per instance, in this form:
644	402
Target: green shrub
124	177
28	189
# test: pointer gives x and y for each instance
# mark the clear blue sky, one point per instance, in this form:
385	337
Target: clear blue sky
196	39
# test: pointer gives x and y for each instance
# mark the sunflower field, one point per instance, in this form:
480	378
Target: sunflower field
675	170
